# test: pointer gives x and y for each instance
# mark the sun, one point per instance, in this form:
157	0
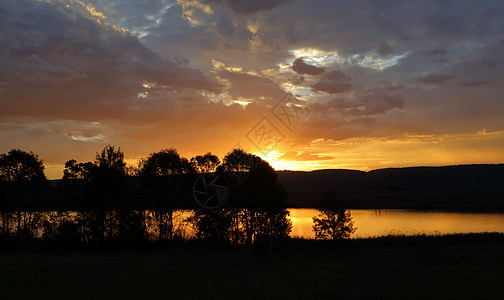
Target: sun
280	165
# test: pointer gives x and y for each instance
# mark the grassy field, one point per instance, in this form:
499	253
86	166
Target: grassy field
456	267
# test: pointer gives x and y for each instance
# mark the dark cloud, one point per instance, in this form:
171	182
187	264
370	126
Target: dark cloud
333	82
252	7
77	63
488	63
475	82
298	80
435	52
377	104
250	86
300	67
342	103
374	102
225	27
434	79
384	49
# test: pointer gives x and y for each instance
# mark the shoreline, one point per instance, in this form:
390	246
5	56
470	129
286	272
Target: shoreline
455	266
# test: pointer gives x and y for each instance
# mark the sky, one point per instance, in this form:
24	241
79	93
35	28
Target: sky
304	84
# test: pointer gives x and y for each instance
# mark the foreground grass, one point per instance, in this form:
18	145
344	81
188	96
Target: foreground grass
456	267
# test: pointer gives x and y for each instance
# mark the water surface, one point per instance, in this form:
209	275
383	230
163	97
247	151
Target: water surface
374	223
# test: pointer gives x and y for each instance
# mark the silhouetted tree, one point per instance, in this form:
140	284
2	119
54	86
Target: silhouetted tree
162	181
241	225
22	183
132	171
333	221
333	224
205	163
160	224
75	183
272	223
256	183
165	162
61	226
21	224
212	224
21	166
109	186
260	225
82	171
126	225
110	162
239	161
94	226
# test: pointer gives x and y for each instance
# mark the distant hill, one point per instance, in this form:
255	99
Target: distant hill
461	186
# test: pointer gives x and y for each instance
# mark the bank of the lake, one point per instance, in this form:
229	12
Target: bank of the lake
420	267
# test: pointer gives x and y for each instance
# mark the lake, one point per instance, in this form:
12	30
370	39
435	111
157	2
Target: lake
154	225
374	223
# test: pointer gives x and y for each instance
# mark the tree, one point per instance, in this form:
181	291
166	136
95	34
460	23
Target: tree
111	161
161	181
241	225
333	223
21	166
205	163
165	162
74	170
239	161
212	224
260	225
22	180
108	186
256	181
272	223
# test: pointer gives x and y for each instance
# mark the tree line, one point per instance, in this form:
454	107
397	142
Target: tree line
104	199
238	226
114	201
162	180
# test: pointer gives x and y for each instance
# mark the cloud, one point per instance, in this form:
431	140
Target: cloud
488	63
475	82
377	104
252	7
77	64
250	86
376	101
434	79
333	82
435	52
300	67
225	27
305	156
384	49
145	72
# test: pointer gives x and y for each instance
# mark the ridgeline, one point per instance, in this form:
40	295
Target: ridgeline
462	187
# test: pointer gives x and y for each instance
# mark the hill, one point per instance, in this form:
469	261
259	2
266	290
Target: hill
450	187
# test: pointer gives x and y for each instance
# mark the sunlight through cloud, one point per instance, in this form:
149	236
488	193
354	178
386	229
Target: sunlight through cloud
322	58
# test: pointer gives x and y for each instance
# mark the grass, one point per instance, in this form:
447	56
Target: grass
443	267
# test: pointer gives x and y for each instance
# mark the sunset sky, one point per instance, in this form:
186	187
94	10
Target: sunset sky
304	84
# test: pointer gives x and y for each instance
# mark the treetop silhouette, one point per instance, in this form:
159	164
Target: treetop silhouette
18	165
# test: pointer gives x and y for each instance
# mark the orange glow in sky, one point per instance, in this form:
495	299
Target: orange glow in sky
304	84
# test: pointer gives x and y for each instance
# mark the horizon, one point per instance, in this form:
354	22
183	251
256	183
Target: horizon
344	169
305	85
